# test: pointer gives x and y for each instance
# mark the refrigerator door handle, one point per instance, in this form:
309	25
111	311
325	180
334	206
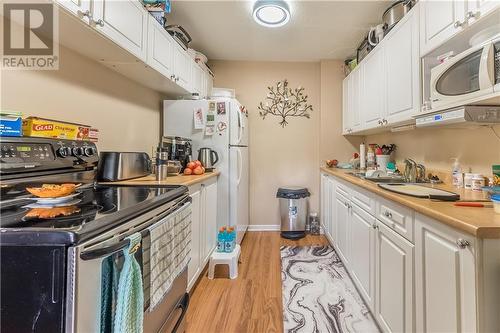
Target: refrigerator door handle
240	125
240	166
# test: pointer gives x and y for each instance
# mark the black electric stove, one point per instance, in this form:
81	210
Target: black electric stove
32	162
38	255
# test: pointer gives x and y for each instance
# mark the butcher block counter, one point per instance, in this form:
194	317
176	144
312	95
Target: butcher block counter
171	180
480	222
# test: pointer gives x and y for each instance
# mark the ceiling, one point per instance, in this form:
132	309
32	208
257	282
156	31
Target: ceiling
225	30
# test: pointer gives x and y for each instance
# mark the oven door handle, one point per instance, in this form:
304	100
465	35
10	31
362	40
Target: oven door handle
183	305
105	251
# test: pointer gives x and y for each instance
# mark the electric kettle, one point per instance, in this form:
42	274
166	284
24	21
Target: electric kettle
376	35
208	157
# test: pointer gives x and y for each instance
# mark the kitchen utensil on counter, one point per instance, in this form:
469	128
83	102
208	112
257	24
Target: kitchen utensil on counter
395	13
161	164
117	166
376	34
471	204
174	168
208	158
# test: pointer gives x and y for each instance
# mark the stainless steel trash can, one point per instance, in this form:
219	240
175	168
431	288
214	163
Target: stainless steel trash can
293	211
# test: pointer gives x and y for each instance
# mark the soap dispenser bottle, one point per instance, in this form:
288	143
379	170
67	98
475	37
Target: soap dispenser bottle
456	174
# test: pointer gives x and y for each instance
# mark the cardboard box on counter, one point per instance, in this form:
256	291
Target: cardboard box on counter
10	123
48	128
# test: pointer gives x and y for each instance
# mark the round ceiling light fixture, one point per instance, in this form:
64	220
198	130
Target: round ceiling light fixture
271	13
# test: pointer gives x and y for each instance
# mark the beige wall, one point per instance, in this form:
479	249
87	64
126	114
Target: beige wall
83	91
278	156
476	148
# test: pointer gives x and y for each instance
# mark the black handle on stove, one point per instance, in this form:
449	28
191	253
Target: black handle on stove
183	305
105	251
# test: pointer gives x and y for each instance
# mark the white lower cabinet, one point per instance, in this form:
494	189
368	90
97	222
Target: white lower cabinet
362	256
203	226
394	310
416	274
445	277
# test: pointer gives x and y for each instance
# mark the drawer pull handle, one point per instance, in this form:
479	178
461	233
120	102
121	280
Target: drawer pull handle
462	243
388	214
374	226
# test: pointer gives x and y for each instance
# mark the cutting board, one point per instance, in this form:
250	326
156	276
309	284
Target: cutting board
419	191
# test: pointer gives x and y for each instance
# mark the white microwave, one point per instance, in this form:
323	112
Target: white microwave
467	77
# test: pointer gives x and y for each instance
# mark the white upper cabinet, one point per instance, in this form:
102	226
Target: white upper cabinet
373	101
160	49
385	88
439	21
125	22
182	67
402	68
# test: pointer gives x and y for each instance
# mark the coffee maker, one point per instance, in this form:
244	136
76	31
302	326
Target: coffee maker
178	148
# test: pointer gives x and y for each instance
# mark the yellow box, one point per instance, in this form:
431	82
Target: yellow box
48	128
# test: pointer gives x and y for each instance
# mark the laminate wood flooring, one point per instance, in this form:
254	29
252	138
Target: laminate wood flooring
252	302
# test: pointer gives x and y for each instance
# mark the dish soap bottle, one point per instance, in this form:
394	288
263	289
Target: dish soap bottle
456	174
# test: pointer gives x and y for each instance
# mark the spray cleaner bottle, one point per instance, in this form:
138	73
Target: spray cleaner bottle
456	174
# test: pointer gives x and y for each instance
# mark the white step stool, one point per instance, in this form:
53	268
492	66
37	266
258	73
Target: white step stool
224	258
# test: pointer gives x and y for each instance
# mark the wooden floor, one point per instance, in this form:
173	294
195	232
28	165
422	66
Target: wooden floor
252	302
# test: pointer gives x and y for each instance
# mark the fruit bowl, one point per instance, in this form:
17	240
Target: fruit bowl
331	163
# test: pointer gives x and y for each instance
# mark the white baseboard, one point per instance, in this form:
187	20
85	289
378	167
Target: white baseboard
264	227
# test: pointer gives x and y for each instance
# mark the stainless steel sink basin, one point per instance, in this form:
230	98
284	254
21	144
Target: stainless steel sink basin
384	179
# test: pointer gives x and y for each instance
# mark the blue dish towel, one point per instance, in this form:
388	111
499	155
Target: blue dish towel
129	313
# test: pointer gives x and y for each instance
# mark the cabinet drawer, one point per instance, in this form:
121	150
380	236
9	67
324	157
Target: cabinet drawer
396	217
343	189
364	200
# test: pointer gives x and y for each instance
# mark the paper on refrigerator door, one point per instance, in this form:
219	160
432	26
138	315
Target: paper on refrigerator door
199	122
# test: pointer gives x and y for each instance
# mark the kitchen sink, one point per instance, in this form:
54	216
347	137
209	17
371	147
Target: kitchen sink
382	179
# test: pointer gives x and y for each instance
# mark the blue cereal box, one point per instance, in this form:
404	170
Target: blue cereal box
10	123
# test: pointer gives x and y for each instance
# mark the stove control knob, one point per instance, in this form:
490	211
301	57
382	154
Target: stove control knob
77	151
88	151
64	151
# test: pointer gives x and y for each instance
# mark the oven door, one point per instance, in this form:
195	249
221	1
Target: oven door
464	78
93	273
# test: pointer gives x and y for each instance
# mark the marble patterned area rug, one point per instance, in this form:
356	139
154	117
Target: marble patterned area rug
318	294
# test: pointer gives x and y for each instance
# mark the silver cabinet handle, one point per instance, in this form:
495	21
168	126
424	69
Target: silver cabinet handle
99	23
380	122
388	214
458	24
471	15
84	14
462	243
385	121
172	77
374	226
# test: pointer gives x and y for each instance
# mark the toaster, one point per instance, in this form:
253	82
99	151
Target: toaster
117	166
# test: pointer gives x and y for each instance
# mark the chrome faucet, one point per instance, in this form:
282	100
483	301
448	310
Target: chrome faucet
410	173
420	173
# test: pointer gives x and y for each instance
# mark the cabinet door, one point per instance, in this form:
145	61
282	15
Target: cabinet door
324	202
439	21
160	49
196	213
210	212
332	222
182	67
445	278
209	84
125	22
372	110
394	308
196	78
362	255
342	233
479	8
355	89
77	7
346	104
402	69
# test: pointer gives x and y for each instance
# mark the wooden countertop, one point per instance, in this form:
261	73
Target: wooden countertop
171	180
480	222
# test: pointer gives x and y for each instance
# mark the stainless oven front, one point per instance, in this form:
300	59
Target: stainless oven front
87	269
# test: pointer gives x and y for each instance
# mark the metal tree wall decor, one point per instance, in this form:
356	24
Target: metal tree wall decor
284	102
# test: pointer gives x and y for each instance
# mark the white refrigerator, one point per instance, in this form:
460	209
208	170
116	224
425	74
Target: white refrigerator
226	133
